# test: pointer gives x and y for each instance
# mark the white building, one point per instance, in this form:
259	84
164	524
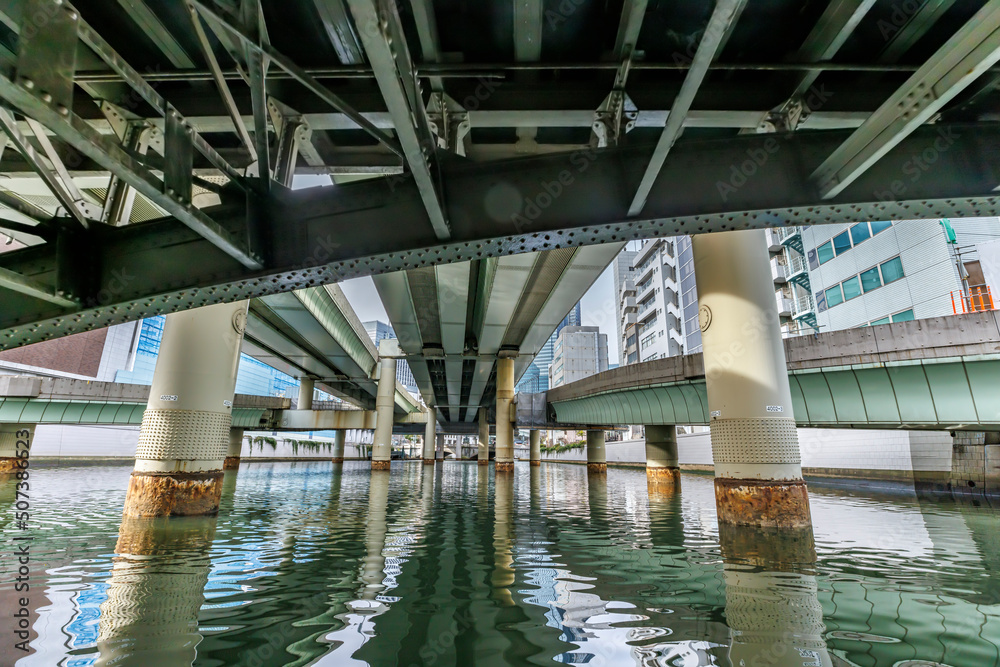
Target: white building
579	352
659	329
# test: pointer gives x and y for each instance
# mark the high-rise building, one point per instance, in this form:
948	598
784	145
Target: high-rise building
658	325
579	352
377	331
622	272
536	377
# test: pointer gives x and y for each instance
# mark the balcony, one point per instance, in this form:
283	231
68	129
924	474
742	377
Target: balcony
643	289
791	237
804	306
785	305
779	271
773	240
628	318
644	307
628	304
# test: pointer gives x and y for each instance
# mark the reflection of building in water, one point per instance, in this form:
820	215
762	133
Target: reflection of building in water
772	602
150	616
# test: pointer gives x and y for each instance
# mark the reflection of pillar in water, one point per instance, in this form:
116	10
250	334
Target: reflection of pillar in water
663	473
373	568
15	439
150	616
772	605
232	460
503	539
339	442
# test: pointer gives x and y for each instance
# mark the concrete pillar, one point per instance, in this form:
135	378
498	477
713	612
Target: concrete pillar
15	445
662	468
439	455
339	443
758	471
597	461
184	436
430	434
385	403
505	428
232	461
535	440
484	438
306	388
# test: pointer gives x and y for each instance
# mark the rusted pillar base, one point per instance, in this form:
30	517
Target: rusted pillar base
536	463
505	466
380	465
9	464
663	478
337	459
153	494
231	463
763	503
597	468
429	462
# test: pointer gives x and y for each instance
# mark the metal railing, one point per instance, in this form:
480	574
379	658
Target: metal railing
978	300
804	304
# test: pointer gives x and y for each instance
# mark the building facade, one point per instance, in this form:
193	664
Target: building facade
579	352
536	378
658	321
378	330
623	273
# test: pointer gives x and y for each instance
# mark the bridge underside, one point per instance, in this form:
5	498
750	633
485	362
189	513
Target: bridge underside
146	143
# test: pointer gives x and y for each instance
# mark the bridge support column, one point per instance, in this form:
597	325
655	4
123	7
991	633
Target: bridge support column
439	454
339	443
758	471
384	404
430	434
662	468
505	428
483	452
535	451
15	439
597	461
184	436
232	461
306	388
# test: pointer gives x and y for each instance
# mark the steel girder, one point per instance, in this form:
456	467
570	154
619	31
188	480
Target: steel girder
324	235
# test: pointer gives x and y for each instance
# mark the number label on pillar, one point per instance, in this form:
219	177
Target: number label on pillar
775	408
228	404
168	397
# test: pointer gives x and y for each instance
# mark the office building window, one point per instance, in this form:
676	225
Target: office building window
825	252
891	270
870	279
884	320
904	316
842	243
879	227
852	288
834	297
859	233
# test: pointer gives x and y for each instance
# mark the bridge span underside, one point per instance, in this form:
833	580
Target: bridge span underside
939	374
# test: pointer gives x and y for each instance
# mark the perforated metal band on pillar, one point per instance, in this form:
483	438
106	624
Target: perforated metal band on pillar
184	435
755	441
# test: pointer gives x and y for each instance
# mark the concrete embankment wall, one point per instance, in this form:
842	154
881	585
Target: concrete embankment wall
864	454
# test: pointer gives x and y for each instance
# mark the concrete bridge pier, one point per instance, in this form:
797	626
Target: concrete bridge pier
755	447
483	452
597	461
430	433
339	443
535	443
662	465
232	461
439	452
385	402
14	439
505	428
185	432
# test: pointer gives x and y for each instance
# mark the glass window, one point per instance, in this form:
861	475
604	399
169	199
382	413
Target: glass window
904	316
870	279
880	227
892	270
859	233
834	296
825	252
884	320
842	243
852	288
